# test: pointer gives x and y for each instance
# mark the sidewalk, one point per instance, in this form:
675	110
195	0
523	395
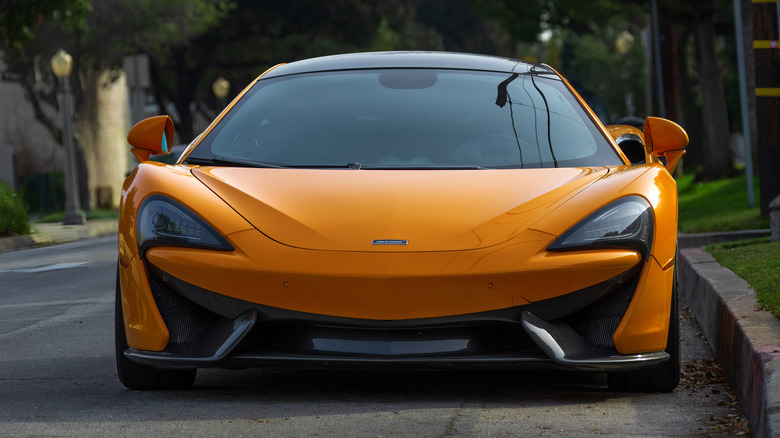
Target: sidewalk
744	338
55	232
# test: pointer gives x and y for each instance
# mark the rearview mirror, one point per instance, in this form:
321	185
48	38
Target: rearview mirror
152	136
664	138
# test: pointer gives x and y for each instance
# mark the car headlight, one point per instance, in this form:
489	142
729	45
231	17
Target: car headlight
627	222
163	221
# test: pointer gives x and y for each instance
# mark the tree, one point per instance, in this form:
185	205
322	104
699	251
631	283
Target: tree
257	35
18	18
192	43
26	29
606	66
590	31
97	34
718	161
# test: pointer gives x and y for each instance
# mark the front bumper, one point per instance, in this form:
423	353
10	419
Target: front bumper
558	346
238	334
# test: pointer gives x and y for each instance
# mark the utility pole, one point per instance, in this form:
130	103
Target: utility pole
743	98
767	70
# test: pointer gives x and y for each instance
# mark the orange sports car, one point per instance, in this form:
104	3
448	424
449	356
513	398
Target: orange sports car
405	210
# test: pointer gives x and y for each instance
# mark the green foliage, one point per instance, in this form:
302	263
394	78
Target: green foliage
13	217
254	36
18	18
597	45
523	19
606	67
462	28
148	26
385	38
720	205
592	15
98	34
758	262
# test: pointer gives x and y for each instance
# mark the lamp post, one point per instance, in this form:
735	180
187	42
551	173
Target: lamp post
61	64
221	88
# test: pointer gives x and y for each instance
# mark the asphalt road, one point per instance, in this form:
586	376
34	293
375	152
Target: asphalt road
58	378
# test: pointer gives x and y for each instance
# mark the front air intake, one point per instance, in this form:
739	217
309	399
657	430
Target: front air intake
186	321
598	321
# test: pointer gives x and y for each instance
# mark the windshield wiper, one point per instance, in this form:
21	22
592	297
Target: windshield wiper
421	167
238	162
222	161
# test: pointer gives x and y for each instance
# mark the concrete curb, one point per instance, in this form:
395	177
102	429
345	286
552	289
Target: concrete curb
744	338
14	243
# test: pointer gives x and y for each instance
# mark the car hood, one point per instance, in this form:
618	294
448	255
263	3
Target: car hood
377	210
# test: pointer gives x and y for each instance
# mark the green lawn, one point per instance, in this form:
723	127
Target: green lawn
758	262
717	206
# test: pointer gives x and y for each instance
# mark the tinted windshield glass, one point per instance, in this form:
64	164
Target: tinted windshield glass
409	118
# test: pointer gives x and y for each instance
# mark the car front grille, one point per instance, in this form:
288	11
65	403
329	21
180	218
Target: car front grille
479	338
598	321
186	321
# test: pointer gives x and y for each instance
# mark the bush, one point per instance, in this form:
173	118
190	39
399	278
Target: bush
13	217
43	193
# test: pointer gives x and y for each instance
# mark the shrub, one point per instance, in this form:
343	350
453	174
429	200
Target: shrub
13	217
43	193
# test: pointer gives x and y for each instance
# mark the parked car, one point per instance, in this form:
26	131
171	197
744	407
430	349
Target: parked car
402	210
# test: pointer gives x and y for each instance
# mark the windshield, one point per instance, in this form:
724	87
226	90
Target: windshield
407	118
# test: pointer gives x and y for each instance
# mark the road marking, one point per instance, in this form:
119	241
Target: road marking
109	299
73	313
49	267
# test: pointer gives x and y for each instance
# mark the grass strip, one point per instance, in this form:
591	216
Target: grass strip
758	262
713	206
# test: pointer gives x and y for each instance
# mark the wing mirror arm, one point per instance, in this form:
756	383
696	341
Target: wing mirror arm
672	158
664	138
152	136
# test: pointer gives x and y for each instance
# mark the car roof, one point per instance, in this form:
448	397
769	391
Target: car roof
443	60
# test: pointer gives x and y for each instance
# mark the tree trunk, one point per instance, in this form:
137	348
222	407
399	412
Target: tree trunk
717	155
689	117
102	127
669	66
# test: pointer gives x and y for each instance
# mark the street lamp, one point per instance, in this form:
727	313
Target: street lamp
221	88
61	64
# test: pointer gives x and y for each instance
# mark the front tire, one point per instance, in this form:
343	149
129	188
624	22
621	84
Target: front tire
143	377
663	377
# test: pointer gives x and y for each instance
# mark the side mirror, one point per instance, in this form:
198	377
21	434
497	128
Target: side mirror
152	136
664	138
631	141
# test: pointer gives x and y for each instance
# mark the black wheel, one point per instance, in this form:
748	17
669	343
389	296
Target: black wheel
663	377
137	376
